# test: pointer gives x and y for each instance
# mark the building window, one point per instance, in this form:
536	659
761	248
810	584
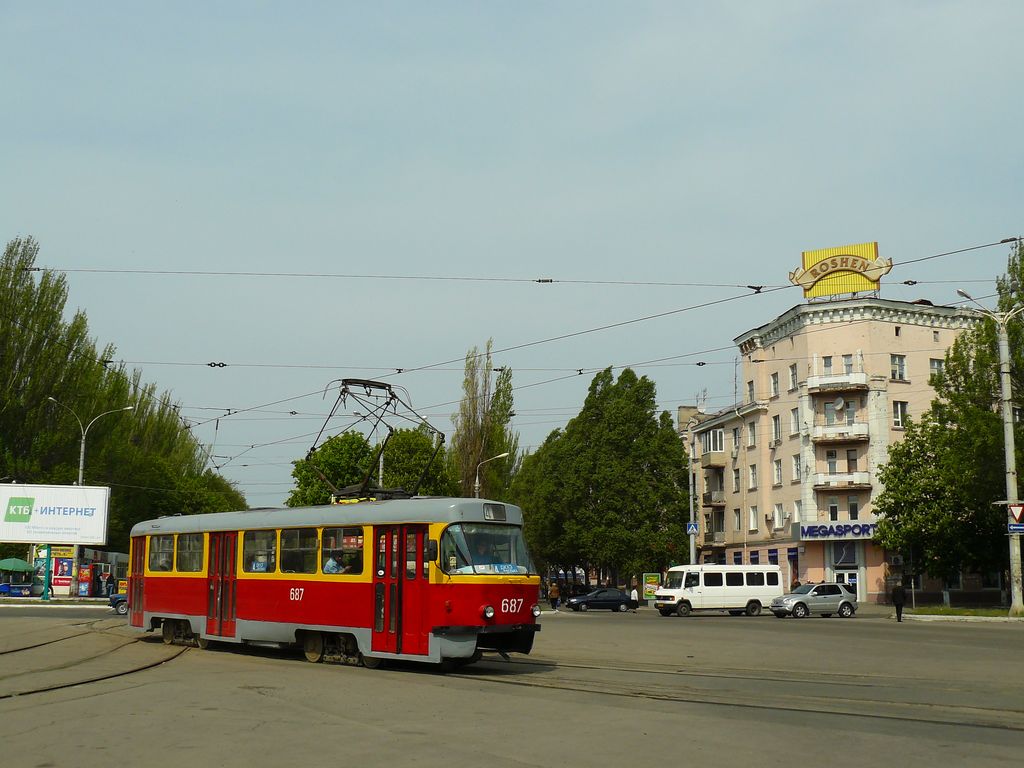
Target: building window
832	461
899	414
897	330
830	413
776	427
793	383
735	437
826	363
736	480
935	335
752	521
898	367
850	409
750	391
794	421
936	366
751	433
713	440
854	506
797	468
777	469
737	521
737	559
796	511
753	477
851	460
833	507
719	518
777	516
847	364
775	385
773	556
755	559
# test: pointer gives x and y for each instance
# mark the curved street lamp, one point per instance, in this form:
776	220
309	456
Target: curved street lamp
1009	449
476	483
81	471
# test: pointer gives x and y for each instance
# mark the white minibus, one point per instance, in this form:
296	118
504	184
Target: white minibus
733	588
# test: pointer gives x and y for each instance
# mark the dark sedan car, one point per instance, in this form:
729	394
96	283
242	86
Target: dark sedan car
119	603
605	597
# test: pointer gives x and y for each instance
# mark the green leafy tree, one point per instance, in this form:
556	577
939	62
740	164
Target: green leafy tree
611	489
147	456
341	461
482	429
942	479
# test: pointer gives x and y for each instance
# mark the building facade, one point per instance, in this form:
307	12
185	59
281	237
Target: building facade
788	474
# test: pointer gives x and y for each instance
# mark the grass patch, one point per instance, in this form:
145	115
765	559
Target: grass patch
941	610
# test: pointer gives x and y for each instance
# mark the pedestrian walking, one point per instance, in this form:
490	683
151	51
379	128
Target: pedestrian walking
634	599
553	594
899	597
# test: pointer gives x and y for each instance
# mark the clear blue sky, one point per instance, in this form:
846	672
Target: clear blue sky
634	142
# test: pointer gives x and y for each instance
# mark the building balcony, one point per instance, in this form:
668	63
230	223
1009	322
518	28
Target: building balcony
713	499
840	433
838	382
824	481
713	459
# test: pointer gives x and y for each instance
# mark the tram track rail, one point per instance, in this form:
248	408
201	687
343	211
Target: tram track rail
880	702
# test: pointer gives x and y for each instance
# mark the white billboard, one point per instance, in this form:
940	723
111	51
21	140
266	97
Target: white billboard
54	514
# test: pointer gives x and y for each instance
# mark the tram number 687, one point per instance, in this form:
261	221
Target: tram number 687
296	593
511	605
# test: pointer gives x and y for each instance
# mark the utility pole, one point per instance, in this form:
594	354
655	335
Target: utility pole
1009	449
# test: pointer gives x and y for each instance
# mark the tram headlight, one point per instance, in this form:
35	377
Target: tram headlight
487	611
535	610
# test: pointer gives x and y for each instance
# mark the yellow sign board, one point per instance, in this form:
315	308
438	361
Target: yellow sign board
846	269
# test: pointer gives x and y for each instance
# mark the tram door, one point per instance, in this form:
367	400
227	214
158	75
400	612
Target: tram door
220	585
135	581
399	583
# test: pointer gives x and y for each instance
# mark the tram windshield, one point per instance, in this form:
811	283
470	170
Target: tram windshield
485	548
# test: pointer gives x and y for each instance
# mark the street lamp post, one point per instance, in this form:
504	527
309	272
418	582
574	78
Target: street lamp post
476	483
693	421
1009	450
81	468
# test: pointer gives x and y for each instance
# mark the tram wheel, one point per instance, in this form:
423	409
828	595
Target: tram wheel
167	631
202	642
371	662
313	646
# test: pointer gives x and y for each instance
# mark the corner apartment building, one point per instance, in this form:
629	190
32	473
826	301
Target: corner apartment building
788	474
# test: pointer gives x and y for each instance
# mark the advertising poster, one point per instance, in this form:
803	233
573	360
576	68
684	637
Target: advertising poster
651	583
60	514
61	572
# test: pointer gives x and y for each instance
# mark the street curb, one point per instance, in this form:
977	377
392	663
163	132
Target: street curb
929	617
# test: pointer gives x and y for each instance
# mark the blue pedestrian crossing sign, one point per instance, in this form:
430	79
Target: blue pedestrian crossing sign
692	529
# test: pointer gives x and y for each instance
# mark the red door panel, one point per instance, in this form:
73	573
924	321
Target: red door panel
221	585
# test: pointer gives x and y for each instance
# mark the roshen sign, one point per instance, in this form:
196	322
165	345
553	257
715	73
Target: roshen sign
846	269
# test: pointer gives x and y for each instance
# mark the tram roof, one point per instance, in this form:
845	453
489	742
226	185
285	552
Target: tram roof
419	509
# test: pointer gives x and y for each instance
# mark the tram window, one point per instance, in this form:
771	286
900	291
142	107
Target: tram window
410	555
190	552
161	552
484	548
298	550
341	550
259	551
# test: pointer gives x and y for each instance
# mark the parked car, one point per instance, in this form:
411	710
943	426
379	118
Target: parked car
823	599
119	603
605	597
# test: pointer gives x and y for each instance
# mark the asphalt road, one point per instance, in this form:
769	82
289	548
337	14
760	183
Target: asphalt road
600	689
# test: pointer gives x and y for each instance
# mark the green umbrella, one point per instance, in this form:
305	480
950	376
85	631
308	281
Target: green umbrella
15	564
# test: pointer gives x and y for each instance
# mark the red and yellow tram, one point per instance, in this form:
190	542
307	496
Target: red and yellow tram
420	579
